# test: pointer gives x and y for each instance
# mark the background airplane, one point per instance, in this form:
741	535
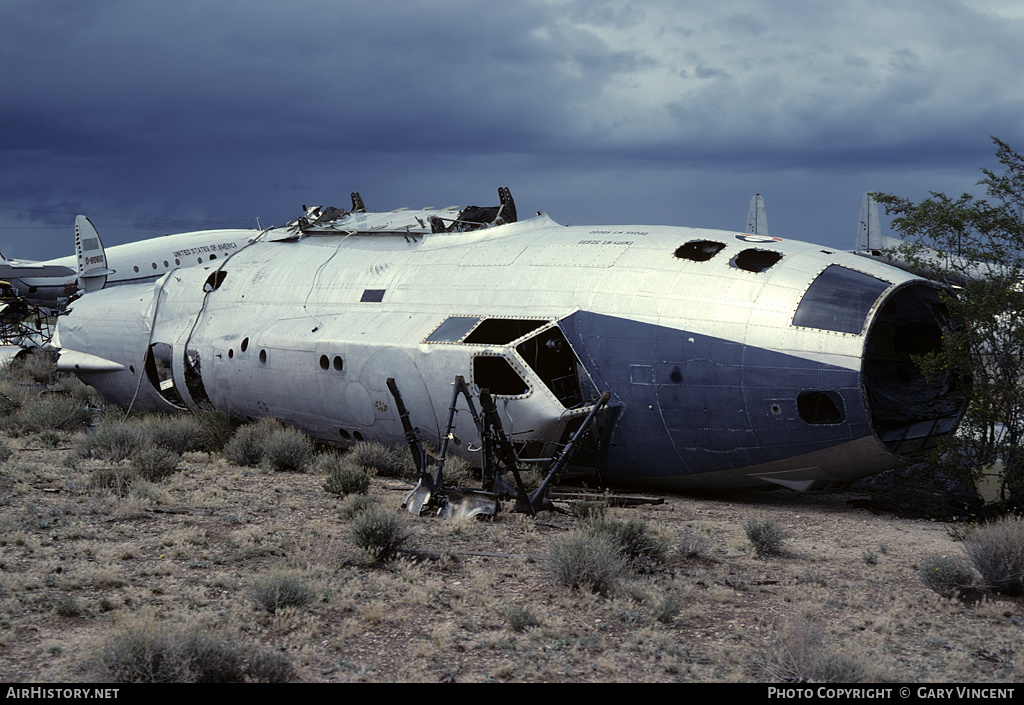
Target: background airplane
49	282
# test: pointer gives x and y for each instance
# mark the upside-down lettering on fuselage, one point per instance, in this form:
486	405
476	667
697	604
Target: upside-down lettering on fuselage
731	359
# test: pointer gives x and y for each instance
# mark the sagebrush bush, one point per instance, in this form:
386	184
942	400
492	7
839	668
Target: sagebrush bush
276	591
155	464
951	577
113	441
385	460
287	450
187	433
52	412
379	532
148	652
118	480
585	560
996	550
767	536
345	480
639	547
356	506
694	544
245	447
520	619
35	365
588	510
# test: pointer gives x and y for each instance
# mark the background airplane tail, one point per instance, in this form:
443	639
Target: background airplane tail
92	260
757	218
869	233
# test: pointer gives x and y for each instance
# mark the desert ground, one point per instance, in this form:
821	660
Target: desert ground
97	575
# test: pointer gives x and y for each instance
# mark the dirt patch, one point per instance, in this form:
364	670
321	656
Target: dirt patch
476	601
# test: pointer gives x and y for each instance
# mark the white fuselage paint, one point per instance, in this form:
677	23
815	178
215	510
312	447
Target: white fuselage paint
309	330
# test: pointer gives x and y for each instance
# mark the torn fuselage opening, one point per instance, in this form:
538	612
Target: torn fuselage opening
194	379
158	372
910	412
551	357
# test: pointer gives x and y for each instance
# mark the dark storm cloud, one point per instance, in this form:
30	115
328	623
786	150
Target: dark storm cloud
156	117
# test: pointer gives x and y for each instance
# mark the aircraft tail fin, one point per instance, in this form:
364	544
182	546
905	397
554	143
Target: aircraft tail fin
757	217
92	260
869	232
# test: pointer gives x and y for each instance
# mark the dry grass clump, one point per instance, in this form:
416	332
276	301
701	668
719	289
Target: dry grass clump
276	591
520	619
951	577
799	655
694	544
380	533
996	550
766	536
146	651
585	560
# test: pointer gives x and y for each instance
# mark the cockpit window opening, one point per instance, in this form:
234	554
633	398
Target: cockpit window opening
699	250
496	374
755	260
502	331
452	329
839	299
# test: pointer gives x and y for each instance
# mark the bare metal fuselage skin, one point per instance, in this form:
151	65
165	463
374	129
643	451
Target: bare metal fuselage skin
732	360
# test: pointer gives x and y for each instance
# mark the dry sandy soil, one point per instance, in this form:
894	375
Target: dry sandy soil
474	601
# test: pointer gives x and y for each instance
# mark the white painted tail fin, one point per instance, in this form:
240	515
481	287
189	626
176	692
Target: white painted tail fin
92	260
757	218
869	232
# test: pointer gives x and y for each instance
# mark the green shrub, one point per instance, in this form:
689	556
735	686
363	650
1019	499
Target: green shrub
155	464
585	560
950	577
53	412
152	653
378	532
187	433
67	606
287	450
766	536
385	460
35	365
356	506
245	447
347	480
996	550
636	544
279	590
588	510
114	441
520	619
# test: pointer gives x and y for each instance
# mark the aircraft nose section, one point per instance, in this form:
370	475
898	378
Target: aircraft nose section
909	412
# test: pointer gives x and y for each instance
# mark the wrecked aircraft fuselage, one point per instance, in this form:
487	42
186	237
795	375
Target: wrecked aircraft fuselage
731	359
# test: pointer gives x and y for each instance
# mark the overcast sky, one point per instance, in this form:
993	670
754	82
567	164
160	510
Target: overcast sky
172	116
